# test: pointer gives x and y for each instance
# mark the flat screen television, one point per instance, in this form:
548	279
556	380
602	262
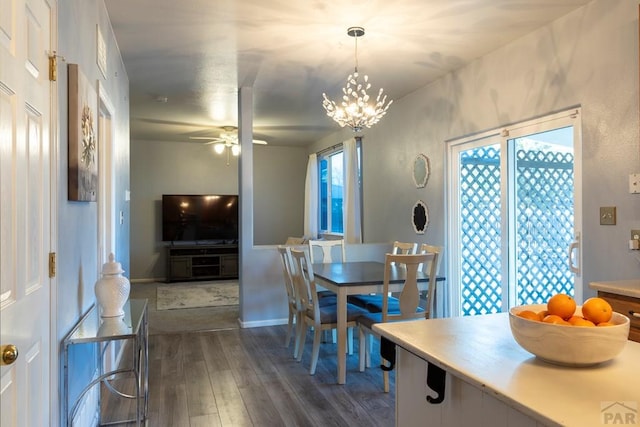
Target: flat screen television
202	217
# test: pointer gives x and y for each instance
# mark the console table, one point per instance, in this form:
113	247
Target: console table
132	328
196	262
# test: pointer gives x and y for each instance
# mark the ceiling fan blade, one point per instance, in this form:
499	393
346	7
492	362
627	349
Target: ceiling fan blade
209	138
259	142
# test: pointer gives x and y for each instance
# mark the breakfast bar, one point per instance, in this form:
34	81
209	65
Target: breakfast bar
491	381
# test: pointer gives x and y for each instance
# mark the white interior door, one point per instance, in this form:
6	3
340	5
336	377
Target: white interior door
25	211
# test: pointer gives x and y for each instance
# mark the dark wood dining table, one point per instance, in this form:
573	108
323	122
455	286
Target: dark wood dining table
351	278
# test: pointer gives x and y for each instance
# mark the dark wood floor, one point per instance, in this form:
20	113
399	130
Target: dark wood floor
246	377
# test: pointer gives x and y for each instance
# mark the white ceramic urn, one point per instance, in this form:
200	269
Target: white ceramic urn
112	289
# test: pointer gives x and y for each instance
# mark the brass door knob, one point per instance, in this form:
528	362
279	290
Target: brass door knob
9	354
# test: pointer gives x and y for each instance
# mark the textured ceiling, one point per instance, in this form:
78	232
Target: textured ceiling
196	53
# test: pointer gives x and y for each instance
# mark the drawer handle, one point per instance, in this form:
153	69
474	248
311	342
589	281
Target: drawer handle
634	313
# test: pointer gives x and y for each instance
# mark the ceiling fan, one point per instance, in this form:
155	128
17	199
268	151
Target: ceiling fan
227	141
227	138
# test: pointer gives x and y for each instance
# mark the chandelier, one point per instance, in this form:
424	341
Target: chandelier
357	110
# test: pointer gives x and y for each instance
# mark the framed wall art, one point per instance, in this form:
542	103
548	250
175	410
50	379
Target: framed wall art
83	140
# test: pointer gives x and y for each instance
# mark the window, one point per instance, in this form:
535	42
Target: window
331	181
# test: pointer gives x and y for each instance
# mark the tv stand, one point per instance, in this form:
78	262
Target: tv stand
200	261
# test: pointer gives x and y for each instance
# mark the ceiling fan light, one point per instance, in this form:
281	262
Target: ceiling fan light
219	148
235	149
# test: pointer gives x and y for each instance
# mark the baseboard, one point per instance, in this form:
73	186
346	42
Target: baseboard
261	323
159	279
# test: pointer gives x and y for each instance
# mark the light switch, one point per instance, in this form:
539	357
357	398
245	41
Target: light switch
607	215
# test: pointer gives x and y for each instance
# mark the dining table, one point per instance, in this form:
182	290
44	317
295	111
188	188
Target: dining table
353	278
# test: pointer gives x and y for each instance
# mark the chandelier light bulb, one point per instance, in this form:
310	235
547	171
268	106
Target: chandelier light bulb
235	149
357	110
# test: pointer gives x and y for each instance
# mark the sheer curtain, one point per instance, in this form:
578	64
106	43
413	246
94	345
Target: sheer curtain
311	199
351	197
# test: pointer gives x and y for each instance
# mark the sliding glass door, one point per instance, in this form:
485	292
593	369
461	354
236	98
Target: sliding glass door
513	215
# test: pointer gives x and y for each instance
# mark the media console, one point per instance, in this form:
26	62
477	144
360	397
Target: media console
199	262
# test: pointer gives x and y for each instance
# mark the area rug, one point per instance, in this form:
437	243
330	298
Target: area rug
190	295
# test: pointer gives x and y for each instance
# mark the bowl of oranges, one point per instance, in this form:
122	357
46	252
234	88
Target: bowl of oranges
563	333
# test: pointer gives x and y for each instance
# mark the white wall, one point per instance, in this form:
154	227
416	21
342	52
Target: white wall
588	58
160	167
77	226
77	257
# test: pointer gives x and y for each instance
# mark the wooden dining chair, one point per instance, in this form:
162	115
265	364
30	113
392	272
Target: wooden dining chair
327	251
433	264
408	304
292	296
373	302
403	248
320	317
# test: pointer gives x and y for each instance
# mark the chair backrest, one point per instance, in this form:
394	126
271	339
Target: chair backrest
409	298
431	268
327	251
403	248
287	271
294	241
305	283
431	249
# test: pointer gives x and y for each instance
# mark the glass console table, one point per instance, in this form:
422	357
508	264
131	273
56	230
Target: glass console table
132	329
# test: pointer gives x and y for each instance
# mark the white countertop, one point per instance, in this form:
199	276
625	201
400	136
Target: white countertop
481	351
630	288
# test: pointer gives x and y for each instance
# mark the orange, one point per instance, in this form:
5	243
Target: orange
542	314
553	318
528	314
605	324
597	310
580	321
574	318
561	305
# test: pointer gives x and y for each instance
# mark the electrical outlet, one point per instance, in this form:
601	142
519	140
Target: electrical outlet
635	234
607	215
634	183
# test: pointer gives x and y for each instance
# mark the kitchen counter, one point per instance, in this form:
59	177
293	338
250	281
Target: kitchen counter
624	297
479	353
629	288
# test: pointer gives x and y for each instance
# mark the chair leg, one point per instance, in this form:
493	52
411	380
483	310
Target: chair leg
349	340
385	376
316	350
287	339
303	338
362	350
298	348
368	348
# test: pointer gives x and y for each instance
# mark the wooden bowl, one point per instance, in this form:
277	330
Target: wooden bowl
569	345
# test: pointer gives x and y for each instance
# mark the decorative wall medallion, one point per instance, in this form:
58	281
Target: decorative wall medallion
421	170
420	217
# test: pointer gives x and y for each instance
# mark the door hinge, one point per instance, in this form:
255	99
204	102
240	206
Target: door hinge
53	68
53	65
52	264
